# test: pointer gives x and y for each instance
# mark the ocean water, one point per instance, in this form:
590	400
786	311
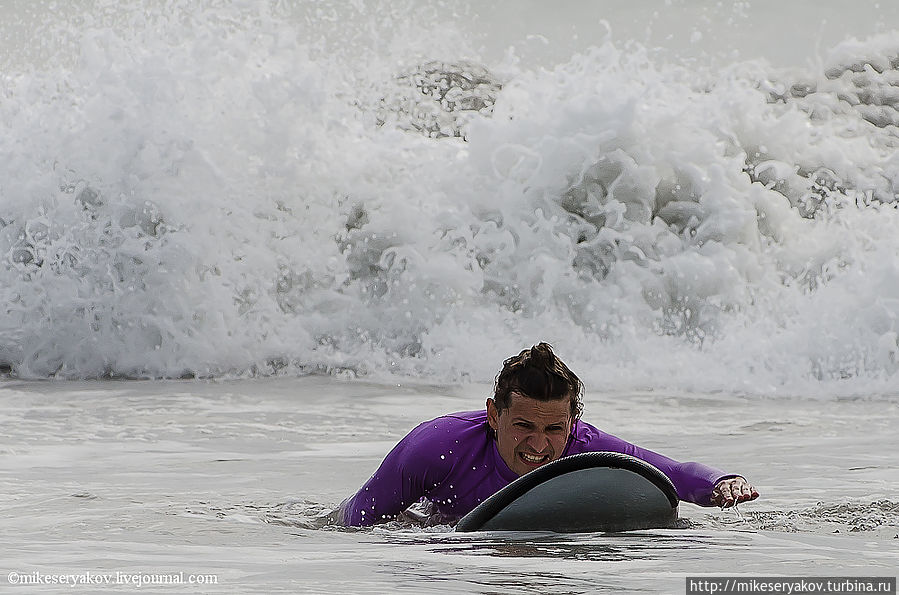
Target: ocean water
236	478
338	218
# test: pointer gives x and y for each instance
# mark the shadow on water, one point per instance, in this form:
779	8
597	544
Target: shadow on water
602	547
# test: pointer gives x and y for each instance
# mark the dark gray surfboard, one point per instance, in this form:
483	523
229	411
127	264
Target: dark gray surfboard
583	493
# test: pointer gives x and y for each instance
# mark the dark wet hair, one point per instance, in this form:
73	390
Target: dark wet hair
539	374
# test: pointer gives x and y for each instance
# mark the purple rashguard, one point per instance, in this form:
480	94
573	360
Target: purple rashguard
453	462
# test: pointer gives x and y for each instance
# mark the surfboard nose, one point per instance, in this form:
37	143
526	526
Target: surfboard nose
583	493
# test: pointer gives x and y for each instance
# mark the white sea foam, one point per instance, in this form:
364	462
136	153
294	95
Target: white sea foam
220	191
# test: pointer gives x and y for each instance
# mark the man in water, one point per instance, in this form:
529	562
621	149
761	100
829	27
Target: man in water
457	461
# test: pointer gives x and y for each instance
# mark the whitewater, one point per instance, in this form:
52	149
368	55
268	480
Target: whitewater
246	245
208	192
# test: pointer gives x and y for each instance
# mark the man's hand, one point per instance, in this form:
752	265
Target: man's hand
730	492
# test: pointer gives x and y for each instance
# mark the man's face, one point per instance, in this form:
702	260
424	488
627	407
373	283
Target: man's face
530	433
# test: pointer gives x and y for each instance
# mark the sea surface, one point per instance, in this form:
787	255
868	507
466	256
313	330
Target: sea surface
235	479
246	245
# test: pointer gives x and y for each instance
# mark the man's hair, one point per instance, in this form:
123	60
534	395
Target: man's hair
538	374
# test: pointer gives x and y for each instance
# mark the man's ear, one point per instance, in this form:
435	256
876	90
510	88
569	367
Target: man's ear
492	414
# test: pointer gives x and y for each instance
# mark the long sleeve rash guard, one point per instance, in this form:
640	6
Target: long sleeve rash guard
453	462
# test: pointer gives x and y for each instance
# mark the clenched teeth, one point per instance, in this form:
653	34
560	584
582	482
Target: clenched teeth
533	458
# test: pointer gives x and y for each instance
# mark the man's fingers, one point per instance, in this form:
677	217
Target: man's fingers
730	492
718	494
747	492
741	491
727	494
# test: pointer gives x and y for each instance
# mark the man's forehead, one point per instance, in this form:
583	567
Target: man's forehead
523	406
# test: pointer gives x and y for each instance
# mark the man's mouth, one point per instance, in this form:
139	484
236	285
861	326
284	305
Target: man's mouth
533	460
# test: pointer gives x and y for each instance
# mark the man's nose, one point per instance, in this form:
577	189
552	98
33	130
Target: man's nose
538	441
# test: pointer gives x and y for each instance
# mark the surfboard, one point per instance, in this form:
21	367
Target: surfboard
582	493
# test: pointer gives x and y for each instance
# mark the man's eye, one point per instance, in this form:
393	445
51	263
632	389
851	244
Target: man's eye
554	429
521	424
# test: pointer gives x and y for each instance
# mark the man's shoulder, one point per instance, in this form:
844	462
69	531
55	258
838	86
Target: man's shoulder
582	427
453	422
457	434
589	438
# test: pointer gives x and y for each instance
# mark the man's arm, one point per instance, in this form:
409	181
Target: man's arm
404	477
695	482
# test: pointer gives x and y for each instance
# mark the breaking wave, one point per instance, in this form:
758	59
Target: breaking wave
213	191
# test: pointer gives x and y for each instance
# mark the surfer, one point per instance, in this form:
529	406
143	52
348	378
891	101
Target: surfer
456	461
